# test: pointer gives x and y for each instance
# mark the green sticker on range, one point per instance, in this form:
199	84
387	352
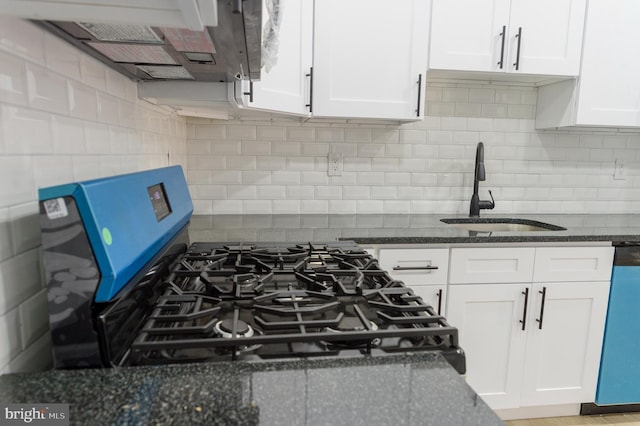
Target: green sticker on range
106	236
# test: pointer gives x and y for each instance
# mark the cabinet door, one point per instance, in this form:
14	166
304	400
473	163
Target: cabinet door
285	87
488	317
609	84
550	36
466	34
563	354
370	58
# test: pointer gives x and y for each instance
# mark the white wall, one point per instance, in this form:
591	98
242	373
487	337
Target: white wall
63	117
264	163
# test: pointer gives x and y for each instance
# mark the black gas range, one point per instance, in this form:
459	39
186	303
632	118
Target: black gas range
157	299
257	301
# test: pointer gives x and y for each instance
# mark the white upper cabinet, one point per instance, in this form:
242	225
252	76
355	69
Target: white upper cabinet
608	90
542	37
286	86
370	58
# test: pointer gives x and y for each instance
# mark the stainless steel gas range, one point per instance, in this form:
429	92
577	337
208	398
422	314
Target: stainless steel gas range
125	287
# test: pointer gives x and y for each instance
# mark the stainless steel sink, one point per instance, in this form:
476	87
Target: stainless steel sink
483	224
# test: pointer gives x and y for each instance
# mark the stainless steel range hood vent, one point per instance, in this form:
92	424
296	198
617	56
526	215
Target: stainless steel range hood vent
221	53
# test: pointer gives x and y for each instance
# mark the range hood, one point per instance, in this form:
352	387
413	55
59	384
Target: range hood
229	51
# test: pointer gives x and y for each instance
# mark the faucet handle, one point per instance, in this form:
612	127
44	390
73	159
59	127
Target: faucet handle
486	204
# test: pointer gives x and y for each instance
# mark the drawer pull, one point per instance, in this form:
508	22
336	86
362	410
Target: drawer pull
524	312
414	268
440	302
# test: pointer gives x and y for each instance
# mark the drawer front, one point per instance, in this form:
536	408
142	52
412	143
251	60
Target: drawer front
416	267
491	265
573	264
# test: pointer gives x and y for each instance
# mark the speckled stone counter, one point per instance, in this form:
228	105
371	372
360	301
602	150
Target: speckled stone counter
405	229
415	389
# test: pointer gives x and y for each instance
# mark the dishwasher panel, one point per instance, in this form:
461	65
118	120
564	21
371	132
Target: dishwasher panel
619	379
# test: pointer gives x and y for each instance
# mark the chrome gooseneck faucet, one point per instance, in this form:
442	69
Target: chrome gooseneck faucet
478	175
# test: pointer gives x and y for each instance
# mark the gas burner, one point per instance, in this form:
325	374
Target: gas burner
225	329
355	325
352	325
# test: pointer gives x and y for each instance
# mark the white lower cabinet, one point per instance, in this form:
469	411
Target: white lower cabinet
532	343
423	270
563	353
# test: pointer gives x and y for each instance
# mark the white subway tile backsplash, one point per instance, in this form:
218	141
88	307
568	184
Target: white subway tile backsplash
9	336
93	73
342	206
285	148
241	132
328	192
25	131
395	206
482	95
97	138
371	150
385	135
19	279
369	206
62	57
455	94
226	147
46	90
413	136
370	178
357	135
13	87
6	248
384	193
108	110
300	192
271	163
401	178
256	206
286	207
329	135
227	206
25	227
285	177
16	180
305	164
210	192
83	101
314	206
22	38
300	134
467	109
116	84
314	178
68	135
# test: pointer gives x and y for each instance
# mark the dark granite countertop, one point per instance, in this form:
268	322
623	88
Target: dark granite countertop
407	389
405	229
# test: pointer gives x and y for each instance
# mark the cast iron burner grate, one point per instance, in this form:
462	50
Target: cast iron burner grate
248	302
